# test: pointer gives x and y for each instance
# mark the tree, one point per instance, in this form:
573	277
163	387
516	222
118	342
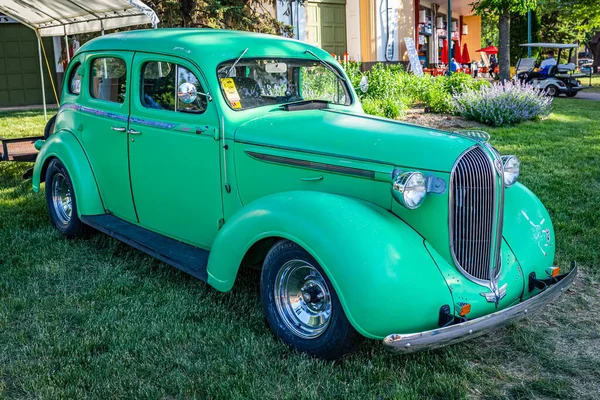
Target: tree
246	15
502	9
571	21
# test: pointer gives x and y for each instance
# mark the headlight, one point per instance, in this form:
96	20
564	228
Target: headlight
512	168
409	189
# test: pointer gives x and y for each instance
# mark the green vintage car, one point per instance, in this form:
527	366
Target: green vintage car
214	150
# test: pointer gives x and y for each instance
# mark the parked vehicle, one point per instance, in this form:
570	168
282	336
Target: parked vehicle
212	150
559	79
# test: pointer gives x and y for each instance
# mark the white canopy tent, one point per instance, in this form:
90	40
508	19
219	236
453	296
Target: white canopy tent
69	17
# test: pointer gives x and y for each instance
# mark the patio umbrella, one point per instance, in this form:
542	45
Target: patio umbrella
466	58
445	52
489	50
457	55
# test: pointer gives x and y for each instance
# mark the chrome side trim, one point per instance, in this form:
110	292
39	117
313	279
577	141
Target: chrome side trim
364	173
435	338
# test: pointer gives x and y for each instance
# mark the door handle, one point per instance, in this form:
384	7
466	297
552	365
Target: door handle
118	128
316	178
134	132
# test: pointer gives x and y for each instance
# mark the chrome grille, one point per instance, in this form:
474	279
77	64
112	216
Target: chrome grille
472	211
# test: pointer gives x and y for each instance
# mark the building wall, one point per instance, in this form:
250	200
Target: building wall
473	39
368	38
406	26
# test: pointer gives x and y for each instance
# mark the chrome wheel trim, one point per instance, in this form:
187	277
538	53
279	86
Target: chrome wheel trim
61	198
302	299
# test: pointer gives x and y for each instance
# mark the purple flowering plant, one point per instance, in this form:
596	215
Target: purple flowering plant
501	104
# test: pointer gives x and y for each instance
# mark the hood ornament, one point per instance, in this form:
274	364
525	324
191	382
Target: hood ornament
496	294
480	136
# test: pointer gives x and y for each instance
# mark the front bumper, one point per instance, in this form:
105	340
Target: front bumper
413	342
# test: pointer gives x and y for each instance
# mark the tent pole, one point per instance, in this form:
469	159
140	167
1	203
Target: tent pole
529	32
42	73
67	48
449	35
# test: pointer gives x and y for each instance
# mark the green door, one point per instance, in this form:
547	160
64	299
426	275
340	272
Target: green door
174	156
20	82
103	127
326	25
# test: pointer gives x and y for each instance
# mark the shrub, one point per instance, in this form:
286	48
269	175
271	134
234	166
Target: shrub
503	103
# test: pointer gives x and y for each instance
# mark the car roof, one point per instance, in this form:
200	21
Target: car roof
204	45
552	45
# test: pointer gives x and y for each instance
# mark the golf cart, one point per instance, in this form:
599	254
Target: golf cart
558	79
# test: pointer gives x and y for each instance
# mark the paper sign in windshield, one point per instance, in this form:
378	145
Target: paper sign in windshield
231	92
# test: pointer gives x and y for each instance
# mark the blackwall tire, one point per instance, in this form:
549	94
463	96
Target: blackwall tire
292	278
49	128
62	205
553	91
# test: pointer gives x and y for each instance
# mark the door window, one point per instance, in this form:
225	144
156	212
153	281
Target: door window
168	86
108	79
75	80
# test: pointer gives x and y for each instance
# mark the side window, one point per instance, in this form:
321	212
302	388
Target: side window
108	79
75	80
168	86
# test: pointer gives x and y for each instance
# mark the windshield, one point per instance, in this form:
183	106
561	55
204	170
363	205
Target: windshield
260	82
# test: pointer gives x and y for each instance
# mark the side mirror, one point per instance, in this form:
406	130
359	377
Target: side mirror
187	93
364	84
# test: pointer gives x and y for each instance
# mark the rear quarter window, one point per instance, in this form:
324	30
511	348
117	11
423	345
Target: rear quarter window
75	80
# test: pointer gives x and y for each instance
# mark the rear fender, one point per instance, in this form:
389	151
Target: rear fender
386	280
65	146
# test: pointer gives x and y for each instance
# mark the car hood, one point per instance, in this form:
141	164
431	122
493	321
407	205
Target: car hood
357	136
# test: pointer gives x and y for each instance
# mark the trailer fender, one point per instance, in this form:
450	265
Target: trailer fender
384	277
65	146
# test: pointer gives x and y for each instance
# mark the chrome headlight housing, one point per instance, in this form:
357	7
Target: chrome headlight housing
512	168
409	189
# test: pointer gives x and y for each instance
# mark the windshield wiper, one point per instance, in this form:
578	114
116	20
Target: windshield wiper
236	61
326	65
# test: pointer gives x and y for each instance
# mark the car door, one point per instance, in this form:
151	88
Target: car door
104	113
174	154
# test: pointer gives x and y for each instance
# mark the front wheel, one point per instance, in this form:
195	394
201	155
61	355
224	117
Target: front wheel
60	198
301	306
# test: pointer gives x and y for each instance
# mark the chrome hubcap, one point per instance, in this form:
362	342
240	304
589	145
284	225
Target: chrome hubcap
61	198
302	298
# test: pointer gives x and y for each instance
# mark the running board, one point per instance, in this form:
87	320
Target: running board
189	259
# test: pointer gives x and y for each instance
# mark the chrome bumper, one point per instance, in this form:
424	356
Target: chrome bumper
413	342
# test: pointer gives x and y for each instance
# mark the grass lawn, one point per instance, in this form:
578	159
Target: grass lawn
595	83
96	318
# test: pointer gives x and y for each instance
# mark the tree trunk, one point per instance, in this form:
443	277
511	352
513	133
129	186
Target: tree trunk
504	49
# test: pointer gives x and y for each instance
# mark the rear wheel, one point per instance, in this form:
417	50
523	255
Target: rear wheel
552	90
49	128
301	305
60	198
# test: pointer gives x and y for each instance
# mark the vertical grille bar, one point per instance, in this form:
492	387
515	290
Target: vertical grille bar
472	213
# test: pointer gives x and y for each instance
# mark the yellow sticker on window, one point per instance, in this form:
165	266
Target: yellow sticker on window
231	92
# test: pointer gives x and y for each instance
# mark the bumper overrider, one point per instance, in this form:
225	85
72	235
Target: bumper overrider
435	338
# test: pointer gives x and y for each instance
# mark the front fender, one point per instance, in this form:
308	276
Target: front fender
528	231
378	265
65	146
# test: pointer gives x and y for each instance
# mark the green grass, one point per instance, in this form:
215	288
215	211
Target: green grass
95	318
595	83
